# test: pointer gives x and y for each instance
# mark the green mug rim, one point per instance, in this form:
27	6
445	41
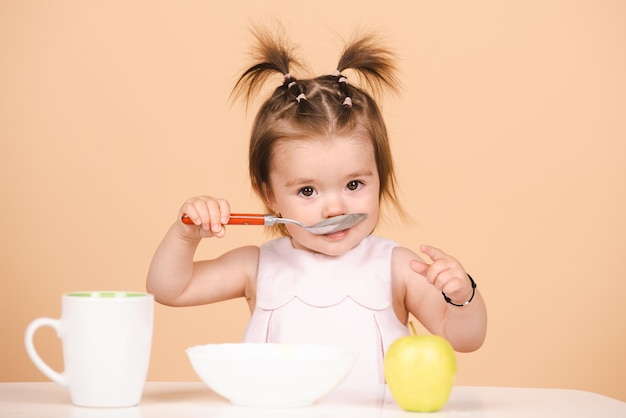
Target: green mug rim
107	294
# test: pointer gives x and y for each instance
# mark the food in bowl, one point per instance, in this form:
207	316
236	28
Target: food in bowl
271	374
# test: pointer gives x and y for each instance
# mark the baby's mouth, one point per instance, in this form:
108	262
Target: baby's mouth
338	234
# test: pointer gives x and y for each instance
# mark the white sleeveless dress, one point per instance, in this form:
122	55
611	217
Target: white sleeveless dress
306	297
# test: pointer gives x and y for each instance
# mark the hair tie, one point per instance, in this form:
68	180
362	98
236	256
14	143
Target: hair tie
300	97
290	85
343	87
287	76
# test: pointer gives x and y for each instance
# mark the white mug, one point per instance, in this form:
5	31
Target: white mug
106	339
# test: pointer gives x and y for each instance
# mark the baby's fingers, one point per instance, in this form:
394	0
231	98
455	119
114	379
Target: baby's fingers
433	252
419	267
195	211
207	212
219	212
437	274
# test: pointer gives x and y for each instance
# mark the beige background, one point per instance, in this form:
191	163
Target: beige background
509	138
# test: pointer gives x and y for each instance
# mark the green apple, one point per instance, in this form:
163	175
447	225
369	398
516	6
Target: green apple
420	372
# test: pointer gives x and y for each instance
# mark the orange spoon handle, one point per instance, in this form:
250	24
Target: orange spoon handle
236	219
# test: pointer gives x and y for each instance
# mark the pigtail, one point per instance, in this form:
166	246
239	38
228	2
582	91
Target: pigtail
373	63
273	55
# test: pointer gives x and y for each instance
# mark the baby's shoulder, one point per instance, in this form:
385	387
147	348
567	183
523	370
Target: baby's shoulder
246	258
400	260
404	252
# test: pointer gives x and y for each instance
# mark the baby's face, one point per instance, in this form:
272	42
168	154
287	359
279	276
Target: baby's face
316	178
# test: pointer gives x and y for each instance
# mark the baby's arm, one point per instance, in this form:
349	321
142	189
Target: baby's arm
176	280
418	289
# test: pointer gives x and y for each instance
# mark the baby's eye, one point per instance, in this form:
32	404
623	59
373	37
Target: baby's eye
354	185
307	191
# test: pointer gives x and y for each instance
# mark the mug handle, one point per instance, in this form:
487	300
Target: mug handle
32	352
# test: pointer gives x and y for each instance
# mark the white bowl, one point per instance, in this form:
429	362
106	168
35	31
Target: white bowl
271	375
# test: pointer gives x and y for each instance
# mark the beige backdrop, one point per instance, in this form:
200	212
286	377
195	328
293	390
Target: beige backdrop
509	138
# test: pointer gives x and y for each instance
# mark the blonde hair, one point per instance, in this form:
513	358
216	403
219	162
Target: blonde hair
326	105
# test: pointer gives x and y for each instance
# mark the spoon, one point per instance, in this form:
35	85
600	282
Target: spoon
327	226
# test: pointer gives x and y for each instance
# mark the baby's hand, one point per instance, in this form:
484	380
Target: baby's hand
445	273
208	214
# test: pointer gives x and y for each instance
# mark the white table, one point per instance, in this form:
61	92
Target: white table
195	400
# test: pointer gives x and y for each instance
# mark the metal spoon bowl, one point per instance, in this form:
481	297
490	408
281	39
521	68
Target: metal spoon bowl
327	226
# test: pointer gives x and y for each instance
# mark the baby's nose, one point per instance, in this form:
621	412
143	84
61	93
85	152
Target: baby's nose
334	207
